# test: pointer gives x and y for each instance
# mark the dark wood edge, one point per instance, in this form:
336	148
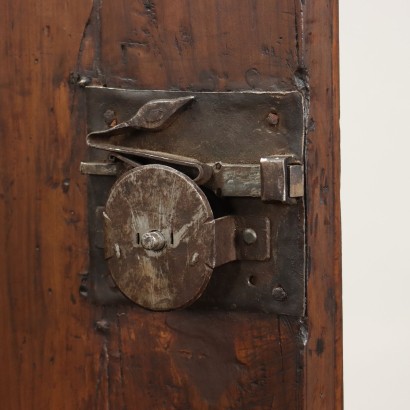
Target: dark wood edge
323	354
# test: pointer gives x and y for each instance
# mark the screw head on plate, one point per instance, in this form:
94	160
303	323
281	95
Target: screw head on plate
279	293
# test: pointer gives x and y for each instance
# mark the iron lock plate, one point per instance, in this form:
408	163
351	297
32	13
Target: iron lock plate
253	144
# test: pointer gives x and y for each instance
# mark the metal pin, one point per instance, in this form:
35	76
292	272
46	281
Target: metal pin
153	241
249	236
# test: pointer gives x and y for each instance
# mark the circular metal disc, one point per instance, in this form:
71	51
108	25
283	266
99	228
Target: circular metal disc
165	202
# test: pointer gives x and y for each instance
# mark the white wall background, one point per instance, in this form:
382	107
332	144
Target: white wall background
375	126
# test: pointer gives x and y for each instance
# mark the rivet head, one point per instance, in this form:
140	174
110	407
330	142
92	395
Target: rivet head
102	325
272	118
279	294
153	241
110	118
84	81
249	236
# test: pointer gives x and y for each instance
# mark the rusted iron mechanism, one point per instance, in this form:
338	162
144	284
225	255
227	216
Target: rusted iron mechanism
173	172
162	242
277	177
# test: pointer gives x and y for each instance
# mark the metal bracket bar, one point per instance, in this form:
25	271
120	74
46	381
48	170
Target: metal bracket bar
274	179
100	168
241	238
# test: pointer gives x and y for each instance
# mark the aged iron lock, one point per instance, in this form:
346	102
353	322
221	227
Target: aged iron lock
197	197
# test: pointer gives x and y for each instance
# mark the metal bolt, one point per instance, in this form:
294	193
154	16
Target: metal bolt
279	294
249	236
218	166
83	81
272	118
153	241
102	325
110	118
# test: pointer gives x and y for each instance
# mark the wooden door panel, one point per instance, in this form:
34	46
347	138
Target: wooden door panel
201	360
58	350
202	45
49	348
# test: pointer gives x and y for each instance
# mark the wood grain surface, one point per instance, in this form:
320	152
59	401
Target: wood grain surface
59	351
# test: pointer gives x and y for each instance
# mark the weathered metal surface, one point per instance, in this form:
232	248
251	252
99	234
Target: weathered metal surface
296	181
249	236
159	198
274	178
98	284
228	133
162	243
236	179
229	127
99	168
225	238
258	229
248	285
242	238
152	241
230	242
229	180
229	119
153	115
